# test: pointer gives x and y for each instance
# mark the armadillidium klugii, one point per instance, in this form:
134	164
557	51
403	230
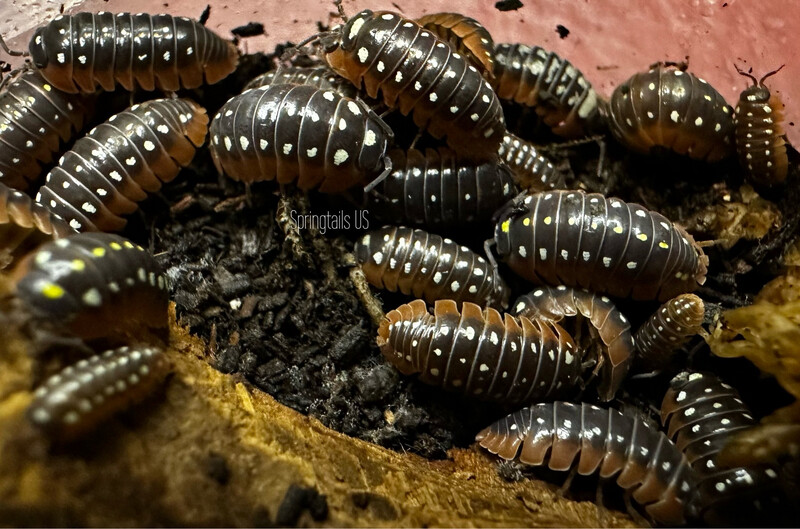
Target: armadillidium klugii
94	285
668	329
438	189
418	73
701	413
759	133
557	91
35	118
466	35
75	400
674	110
24	224
606	323
82	51
563	436
598	243
480	353
120	161
532	170
299	134
425	265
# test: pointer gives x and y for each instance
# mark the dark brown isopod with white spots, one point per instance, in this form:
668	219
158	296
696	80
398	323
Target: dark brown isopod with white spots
480	353
669	108
93	285
598	243
24	225
318	77
299	134
666	331
466	35
759	133
531	170
438	189
701	413
75	400
418	73
35	118
647	465
556	90
606	323
426	265
120	161
82	51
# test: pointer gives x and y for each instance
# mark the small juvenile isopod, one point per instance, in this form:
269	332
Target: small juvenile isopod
532	170
481	353
759	133
701	414
607	323
425	265
24	224
667	107
556	90
120	161
35	118
83	51
647	465
466	35
417	72
75	400
438	189
93	285
668	330
318	77
299	134
598	243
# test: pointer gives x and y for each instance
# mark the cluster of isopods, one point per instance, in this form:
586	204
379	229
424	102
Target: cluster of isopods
69	277
321	128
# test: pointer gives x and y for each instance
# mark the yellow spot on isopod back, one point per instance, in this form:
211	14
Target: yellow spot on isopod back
526	221
52	291
115	246
127	244
99	251
78	265
617	229
505	225
663	244
47	87
642	237
548	220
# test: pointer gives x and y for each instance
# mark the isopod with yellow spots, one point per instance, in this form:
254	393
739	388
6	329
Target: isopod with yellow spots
93	285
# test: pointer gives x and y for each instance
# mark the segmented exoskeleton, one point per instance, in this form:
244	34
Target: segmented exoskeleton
418	73
76	399
563	436
93	285
606	324
35	118
426	265
673	109
120	161
598	243
299	134
82	51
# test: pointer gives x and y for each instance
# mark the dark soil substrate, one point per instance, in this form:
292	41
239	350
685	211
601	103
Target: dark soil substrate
283	313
